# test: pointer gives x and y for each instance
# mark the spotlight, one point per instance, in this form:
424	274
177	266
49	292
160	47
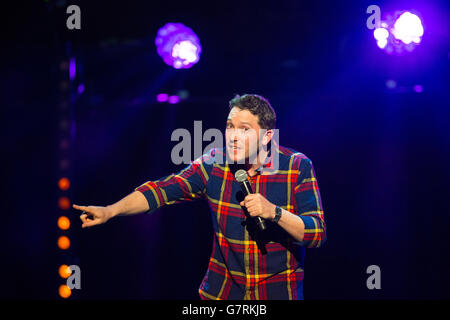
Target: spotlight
183	94
63	243
72	69
63	223
64	203
174	99
64	291
418	88
408	28
64	271
64	183
178	45
391	84
381	35
162	97
401	33
80	88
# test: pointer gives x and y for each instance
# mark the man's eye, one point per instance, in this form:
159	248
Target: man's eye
246	129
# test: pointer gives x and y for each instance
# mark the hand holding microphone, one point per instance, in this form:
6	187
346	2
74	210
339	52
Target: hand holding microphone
257	206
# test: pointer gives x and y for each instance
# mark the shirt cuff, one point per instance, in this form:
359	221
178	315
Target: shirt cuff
151	195
312	230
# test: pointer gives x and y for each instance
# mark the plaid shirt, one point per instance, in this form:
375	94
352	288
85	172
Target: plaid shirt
246	263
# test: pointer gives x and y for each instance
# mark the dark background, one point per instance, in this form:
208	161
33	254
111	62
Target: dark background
381	155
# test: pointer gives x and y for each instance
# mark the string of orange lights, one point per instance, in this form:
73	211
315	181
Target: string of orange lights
67	72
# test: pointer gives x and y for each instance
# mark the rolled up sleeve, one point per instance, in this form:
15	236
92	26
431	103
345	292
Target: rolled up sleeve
309	206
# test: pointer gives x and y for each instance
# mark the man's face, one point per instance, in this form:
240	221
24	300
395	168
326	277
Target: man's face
242	135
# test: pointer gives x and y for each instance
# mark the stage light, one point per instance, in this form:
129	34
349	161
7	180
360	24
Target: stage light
391	84
64	271
382	43
183	94
80	88
408	28
178	45
63	223
72	69
418	88
401	32
63	243
64	291
381	33
64	203
162	97
64	183
174	99
186	51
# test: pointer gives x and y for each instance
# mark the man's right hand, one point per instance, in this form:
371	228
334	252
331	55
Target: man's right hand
94	215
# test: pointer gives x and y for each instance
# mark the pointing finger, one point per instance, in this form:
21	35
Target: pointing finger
80	207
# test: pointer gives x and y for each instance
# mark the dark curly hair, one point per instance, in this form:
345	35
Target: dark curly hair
257	105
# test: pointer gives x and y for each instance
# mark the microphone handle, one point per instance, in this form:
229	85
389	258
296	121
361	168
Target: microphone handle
248	188
261	224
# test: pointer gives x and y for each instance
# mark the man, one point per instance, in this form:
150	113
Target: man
246	262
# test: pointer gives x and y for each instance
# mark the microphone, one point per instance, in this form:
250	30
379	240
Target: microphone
241	176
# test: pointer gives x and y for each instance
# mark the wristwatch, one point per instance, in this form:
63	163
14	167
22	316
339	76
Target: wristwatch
277	214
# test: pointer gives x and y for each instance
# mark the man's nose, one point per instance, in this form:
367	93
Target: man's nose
233	135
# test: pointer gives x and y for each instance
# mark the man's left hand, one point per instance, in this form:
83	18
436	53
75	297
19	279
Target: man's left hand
257	205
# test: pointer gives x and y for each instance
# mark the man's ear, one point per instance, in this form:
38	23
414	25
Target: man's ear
268	134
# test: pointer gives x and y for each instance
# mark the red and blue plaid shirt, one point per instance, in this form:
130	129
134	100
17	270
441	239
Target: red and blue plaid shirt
246	263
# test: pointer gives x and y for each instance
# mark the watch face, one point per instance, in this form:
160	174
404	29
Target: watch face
277	214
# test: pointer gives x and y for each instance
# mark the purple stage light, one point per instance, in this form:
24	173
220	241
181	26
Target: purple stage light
418	88
162	97
381	33
382	43
178	45
174	99
400	32
80	88
72	69
408	28
391	84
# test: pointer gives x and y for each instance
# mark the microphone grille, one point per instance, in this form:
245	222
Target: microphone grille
241	175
